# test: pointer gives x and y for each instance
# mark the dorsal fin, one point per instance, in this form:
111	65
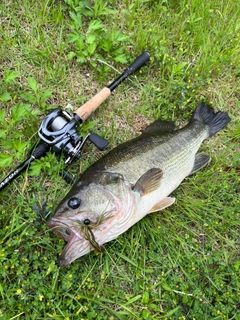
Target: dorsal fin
160	126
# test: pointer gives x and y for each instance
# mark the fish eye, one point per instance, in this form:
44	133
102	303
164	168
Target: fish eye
74	203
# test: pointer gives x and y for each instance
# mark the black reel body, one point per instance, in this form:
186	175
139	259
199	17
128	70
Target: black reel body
59	130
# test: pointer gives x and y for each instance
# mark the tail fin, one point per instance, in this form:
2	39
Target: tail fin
214	121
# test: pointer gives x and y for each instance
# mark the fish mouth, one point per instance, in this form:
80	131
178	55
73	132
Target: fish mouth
61	230
64	258
76	246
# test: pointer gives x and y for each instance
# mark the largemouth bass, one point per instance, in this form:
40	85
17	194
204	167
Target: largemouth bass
132	180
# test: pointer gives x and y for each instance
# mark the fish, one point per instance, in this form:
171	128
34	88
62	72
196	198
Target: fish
132	180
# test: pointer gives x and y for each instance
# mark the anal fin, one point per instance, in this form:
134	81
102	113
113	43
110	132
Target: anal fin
201	160
166	202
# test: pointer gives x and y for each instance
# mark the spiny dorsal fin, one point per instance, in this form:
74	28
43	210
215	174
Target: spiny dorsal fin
164	203
160	126
201	160
149	181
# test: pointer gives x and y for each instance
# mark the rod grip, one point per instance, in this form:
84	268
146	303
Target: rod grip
87	108
139	62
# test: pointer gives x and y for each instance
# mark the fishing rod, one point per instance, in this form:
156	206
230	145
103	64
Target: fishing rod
58	130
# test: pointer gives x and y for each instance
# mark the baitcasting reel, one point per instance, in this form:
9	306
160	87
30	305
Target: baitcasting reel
58	130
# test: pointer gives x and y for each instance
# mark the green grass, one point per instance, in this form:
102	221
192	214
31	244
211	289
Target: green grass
181	263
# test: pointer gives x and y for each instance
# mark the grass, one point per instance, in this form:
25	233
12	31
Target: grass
181	263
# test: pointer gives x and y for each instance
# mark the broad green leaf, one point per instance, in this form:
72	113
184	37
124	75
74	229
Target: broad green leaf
118	51
20	111
145	314
123	37
19	145
91	48
15	145
166	287
86	12
121	58
50	268
32	84
46	94
73	36
81	59
118	36
178	67
2	115
5	159
91	39
79	44
29	97
10	75
71	55
35	168
77	18
237	265
5	96
1	291
106	44
2	133
84	7
95	25
145	297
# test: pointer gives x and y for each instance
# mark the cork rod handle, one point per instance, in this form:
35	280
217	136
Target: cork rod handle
87	108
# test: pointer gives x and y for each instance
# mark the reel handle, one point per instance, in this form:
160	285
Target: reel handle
87	108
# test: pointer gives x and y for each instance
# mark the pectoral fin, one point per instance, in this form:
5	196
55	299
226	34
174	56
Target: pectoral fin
166	202
149	181
201	160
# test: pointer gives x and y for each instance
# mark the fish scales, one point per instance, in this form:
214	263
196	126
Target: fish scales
153	151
